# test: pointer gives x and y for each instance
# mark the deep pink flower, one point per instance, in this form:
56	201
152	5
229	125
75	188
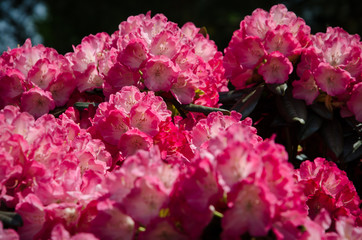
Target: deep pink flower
276	69
249	52
135	54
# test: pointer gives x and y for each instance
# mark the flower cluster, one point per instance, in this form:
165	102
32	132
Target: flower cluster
138	163
36	78
266	45
330	70
49	168
132	120
332	199
155	54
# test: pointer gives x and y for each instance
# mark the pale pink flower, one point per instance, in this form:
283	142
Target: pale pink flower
346	229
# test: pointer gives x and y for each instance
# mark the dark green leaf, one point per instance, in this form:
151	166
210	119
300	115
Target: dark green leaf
203	109
84	105
333	136
352	150
291	109
10	219
278	89
322	111
312	125
247	103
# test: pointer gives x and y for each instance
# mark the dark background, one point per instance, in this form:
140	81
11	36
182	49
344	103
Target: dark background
63	23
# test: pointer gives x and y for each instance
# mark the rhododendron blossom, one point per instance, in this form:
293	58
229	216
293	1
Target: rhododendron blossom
161	51
267	42
35	67
137	148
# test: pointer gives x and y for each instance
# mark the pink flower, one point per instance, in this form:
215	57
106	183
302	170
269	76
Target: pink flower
32	213
135	54
60	233
85	59
160	73
37	102
305	88
249	52
106	221
145	200
282	40
279	32
333	81
251	210
277	68
326	186
354	103
161	228
346	229
165	44
134	140
9	234
12	85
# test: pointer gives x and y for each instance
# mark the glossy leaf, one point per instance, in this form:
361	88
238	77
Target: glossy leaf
312	125
352	150
322	111
10	219
291	109
247	104
278	89
333	136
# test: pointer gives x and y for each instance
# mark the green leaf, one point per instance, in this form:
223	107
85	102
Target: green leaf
84	105
321	110
203	109
278	89
352	150
333	136
10	219
247	103
291	109
312	125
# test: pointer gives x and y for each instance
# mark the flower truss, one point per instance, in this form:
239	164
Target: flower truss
123	138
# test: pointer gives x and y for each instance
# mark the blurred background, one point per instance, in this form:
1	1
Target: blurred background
62	23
